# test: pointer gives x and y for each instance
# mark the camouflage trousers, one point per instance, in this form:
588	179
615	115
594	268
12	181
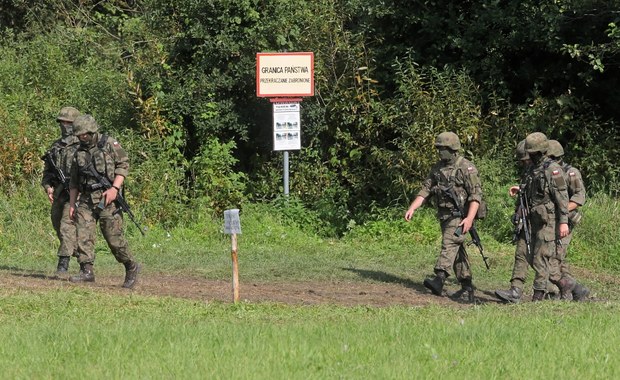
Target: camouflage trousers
453	256
63	225
543	250
522	263
558	267
111	226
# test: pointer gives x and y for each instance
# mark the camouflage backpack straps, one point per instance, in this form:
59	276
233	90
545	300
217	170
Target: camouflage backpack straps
482	208
102	141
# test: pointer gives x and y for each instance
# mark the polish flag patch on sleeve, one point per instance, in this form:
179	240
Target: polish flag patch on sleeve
555	172
470	169
116	144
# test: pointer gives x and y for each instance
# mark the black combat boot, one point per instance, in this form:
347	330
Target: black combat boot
63	265
580	293
132	269
512	295
436	284
538	295
86	274
467	287
566	285
552	296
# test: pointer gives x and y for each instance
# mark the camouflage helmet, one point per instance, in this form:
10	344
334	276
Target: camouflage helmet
536	142
84	124
521	153
449	140
555	149
67	114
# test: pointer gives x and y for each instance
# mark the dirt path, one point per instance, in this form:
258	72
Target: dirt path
294	293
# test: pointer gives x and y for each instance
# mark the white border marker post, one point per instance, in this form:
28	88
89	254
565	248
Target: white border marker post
232	226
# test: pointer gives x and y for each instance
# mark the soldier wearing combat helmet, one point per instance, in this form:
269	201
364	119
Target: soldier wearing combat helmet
456	171
58	160
99	156
559	268
523	257
547	196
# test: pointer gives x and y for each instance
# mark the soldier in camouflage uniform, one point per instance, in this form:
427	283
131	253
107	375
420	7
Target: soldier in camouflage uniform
547	196
451	170
61	153
522	258
99	156
558	268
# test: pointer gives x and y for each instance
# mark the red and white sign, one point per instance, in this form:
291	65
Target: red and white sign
284	74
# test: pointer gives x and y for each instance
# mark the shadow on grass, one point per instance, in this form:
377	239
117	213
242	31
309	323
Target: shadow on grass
481	296
21	272
388	278
12	269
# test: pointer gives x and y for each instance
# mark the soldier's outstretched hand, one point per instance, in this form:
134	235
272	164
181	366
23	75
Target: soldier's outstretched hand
513	191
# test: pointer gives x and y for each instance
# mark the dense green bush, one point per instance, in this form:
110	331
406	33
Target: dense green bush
175	82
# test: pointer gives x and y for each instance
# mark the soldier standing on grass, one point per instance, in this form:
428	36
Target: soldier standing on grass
547	196
523	258
558	269
58	160
99	156
453	170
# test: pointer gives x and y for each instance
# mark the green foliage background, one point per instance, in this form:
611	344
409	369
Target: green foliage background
174	82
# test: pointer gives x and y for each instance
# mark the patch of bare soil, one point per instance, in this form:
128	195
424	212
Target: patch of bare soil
349	293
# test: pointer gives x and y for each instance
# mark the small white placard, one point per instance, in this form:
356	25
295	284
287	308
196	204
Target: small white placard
286	126
232	224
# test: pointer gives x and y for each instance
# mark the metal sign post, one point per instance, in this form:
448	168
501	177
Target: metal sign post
286	133
232	226
285	173
285	78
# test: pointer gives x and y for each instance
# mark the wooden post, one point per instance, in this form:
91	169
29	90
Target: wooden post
232	226
235	269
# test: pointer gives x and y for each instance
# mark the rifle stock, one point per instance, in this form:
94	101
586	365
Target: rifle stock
524	222
59	173
475	238
120	200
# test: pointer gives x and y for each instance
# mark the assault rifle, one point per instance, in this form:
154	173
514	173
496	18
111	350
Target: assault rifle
105	184
522	221
475	238
49	158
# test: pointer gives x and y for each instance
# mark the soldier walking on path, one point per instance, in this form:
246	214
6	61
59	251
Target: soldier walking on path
99	157
523	253
452	173
547	197
58	160
558	269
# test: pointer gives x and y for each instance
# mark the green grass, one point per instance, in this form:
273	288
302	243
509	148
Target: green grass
79	332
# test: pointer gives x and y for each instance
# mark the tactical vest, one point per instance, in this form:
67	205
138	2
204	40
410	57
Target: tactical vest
62	152
100	157
446	207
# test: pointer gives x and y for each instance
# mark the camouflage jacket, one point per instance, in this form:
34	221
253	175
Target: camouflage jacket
547	194
62	151
463	175
106	156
